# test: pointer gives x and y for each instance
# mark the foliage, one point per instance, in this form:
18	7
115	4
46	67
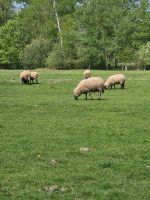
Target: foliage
38	19
141	17
99	25
6	11
34	54
70	41
55	59
24	1
143	55
13	38
95	33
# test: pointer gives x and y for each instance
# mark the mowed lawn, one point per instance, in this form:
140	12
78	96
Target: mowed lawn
42	129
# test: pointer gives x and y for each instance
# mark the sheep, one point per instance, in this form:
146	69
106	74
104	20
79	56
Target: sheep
93	84
25	76
34	75
86	74
115	79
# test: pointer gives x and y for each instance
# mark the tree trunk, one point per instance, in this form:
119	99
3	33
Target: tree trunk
106	60
115	63
58	26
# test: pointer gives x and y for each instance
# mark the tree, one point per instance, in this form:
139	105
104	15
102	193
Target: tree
141	16
143	56
63	11
111	31
55	59
6	11
37	17
24	1
59	28
34	54
97	27
13	38
95	33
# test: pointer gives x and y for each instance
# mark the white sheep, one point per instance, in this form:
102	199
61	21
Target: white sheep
25	76
34	76
115	79
86	74
93	84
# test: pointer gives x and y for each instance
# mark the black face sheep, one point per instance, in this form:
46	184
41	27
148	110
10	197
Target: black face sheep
86	74
25	76
34	76
115	79
93	84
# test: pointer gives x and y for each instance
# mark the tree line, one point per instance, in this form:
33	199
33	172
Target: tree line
74	34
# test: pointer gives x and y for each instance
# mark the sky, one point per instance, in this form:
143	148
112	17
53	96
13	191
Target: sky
18	6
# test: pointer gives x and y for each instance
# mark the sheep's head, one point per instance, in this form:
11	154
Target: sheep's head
75	97
106	85
76	93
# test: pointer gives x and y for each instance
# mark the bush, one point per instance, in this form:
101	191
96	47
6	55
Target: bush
55	59
34	54
143	56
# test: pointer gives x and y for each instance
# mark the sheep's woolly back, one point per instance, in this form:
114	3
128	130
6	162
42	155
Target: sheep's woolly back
87	74
26	74
89	85
115	79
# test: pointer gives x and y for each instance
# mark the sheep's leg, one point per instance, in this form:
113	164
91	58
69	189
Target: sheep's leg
122	85
99	94
86	95
25	81
29	80
90	95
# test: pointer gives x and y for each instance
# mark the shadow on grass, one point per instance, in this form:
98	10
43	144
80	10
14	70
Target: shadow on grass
115	89
97	99
34	83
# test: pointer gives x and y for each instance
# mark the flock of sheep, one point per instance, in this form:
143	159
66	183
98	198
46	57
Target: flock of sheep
28	77
97	84
86	86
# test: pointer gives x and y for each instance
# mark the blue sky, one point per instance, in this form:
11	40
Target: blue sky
18	6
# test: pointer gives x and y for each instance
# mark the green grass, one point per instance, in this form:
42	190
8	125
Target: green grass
41	122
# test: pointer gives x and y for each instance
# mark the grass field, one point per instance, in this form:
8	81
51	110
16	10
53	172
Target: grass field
42	122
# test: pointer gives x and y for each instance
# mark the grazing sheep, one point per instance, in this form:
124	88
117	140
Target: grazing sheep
34	76
86	74
25	76
93	84
115	79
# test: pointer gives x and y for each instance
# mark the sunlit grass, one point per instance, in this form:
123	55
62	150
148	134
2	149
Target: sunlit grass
43	122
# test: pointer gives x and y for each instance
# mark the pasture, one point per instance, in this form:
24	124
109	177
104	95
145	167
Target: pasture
43	128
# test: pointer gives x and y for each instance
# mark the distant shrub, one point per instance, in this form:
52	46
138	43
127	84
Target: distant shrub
55	59
34	54
143	56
